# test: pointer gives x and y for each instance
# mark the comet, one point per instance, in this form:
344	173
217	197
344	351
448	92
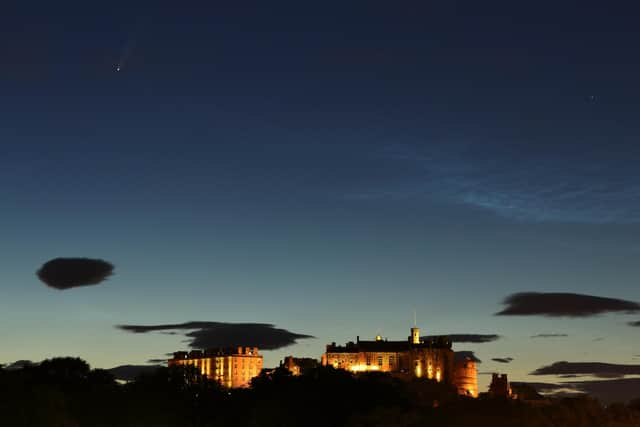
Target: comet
130	44
126	53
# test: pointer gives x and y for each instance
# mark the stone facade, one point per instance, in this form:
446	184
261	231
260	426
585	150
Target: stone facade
466	376
414	358
232	368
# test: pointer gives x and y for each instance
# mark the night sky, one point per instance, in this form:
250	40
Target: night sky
326	168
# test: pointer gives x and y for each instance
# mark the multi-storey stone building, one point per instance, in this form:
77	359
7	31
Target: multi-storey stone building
231	368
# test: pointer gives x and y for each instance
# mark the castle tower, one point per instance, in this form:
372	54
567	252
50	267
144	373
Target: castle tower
415	335
465	376
499	386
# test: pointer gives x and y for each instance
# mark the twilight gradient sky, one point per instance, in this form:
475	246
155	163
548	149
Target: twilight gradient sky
327	168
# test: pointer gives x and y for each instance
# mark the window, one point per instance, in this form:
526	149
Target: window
380	361
368	359
391	360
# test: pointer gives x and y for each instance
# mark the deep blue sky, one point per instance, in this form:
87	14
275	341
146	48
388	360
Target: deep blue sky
328	168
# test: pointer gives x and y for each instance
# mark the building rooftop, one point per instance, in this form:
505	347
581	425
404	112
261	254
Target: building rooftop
383	345
213	352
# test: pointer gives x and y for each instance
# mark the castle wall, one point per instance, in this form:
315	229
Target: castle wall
364	361
431	363
466	377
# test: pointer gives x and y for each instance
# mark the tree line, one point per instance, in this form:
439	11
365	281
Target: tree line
65	392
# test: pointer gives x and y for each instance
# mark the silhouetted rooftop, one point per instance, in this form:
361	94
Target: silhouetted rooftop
388	346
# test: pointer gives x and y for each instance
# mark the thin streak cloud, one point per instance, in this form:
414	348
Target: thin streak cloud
468	338
503	359
550	336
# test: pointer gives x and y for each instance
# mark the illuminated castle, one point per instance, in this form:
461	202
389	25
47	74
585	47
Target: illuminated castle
432	359
231	368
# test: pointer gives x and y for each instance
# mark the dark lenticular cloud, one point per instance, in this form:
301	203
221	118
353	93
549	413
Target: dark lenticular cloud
563	305
66	273
503	359
202	335
596	369
549	336
635	324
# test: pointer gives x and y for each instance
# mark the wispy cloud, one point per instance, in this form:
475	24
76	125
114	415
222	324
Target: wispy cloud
523	182
607	391
19	364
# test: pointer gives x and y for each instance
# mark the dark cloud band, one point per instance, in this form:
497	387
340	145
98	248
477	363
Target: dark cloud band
204	335
503	359
597	369
563	305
